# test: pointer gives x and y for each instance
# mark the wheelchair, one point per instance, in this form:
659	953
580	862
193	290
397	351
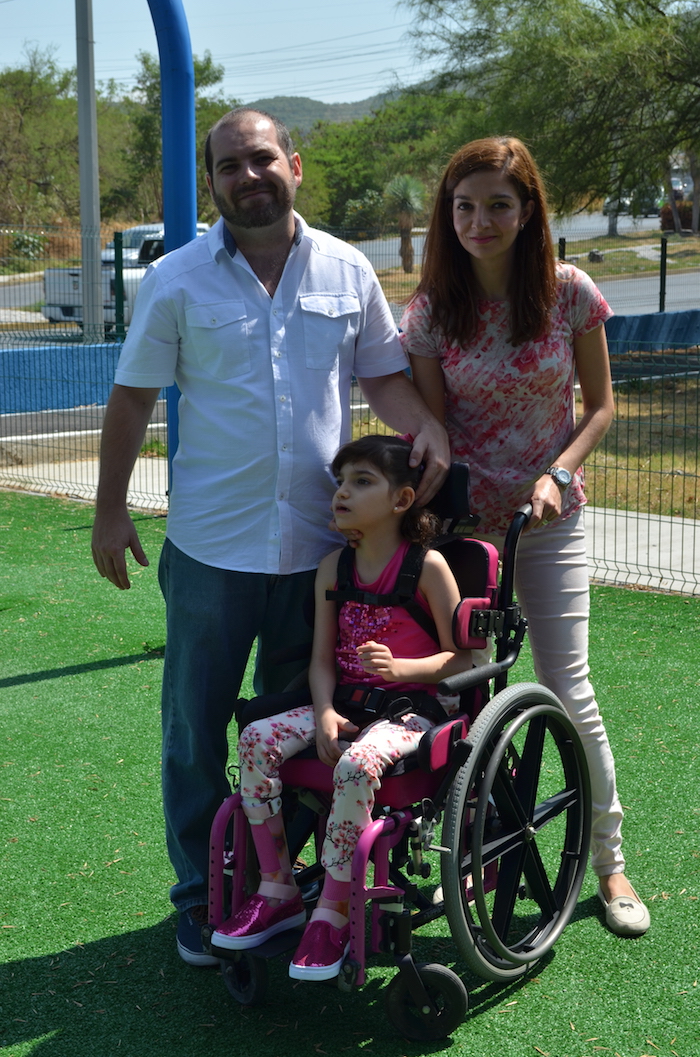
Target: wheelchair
500	792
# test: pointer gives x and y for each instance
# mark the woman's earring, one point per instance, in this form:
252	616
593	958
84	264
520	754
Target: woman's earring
522	226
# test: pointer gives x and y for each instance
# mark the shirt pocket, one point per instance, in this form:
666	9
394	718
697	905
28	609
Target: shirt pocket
218	332
331	324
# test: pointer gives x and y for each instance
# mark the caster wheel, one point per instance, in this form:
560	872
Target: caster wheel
245	976
448	995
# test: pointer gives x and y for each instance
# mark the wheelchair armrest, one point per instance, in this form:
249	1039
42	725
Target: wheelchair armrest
483	673
435	746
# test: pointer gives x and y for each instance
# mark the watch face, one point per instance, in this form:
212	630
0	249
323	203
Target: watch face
561	476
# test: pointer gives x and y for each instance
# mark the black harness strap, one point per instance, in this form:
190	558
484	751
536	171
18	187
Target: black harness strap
403	593
363	704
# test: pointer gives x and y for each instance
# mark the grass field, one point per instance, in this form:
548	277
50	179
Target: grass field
89	967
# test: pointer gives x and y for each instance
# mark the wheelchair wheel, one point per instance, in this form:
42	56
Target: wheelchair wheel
517	823
245	976
447	993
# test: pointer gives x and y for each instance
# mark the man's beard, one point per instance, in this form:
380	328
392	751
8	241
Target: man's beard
258	214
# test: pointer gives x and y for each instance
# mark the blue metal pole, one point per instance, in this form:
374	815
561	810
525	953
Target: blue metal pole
179	160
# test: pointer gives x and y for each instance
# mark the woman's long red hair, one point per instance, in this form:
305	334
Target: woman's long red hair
448	279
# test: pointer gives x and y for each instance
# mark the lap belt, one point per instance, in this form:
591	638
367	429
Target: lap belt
374	702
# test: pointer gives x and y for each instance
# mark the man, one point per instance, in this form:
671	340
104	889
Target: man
261	322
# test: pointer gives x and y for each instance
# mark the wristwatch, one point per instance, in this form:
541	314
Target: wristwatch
560	475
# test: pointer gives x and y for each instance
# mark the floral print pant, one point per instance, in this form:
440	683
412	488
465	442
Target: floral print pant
265	744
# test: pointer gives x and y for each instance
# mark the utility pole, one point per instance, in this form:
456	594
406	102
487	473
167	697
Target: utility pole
91	243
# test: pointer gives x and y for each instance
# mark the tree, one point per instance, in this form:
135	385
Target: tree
603	90
413	134
38	140
404	197
143	152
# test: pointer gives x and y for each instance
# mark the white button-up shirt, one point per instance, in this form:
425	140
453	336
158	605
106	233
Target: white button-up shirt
265	384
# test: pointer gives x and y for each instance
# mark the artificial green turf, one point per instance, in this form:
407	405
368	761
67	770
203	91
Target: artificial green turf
89	961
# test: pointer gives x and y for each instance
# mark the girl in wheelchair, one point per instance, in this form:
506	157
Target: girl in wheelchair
382	632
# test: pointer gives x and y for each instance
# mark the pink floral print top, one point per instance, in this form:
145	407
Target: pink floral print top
510	409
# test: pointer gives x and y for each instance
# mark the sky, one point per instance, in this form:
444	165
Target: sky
329	50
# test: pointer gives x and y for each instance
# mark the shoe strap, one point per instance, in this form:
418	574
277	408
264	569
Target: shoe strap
273	890
334	919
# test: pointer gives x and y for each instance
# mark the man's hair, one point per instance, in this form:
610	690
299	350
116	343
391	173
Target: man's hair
448	279
234	117
390	456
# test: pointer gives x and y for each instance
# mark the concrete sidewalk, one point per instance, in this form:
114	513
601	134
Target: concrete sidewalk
624	547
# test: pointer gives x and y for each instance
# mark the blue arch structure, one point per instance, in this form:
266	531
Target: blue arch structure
179	151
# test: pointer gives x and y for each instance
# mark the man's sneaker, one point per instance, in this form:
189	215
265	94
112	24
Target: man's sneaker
189	936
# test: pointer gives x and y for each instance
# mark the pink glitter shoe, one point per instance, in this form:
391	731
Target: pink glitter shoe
257	921
323	947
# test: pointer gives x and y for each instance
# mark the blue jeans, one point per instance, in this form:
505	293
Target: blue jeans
213	618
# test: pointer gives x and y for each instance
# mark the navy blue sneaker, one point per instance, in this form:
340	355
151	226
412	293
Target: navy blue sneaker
189	936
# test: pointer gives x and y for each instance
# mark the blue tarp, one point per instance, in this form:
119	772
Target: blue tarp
654	331
53	377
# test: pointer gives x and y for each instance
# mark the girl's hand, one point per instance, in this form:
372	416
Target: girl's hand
377	659
546	501
329	726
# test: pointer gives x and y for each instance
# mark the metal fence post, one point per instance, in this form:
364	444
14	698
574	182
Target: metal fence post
662	274
562	249
119	328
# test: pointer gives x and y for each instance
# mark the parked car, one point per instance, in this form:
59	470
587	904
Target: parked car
616	204
63	287
133	239
643	201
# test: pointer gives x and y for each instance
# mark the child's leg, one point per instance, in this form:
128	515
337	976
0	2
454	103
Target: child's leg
262	748
356	778
277	905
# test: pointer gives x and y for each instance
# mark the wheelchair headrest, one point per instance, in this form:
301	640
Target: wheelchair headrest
451	504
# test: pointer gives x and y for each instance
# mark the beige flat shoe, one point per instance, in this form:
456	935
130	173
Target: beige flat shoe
625	916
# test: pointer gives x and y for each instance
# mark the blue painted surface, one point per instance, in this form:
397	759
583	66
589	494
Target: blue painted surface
654	331
53	377
179	152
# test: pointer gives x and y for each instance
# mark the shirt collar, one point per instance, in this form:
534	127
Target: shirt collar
230	242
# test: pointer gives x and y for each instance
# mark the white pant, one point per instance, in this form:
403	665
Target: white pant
551	584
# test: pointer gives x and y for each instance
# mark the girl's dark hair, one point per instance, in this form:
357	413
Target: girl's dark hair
448	279
390	456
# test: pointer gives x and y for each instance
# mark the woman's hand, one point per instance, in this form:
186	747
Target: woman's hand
546	501
329	727
377	659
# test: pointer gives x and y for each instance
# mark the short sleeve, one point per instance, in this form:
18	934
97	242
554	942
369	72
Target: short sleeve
417	337
378	350
587	308
149	354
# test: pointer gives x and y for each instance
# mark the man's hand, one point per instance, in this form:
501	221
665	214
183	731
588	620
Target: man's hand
329	726
432	448
111	538
395	400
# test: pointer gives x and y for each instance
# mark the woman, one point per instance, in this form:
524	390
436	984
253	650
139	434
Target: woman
495	333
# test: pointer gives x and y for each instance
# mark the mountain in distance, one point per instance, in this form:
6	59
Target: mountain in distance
302	113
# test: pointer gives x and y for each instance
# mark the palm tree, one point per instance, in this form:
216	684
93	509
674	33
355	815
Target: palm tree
404	197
